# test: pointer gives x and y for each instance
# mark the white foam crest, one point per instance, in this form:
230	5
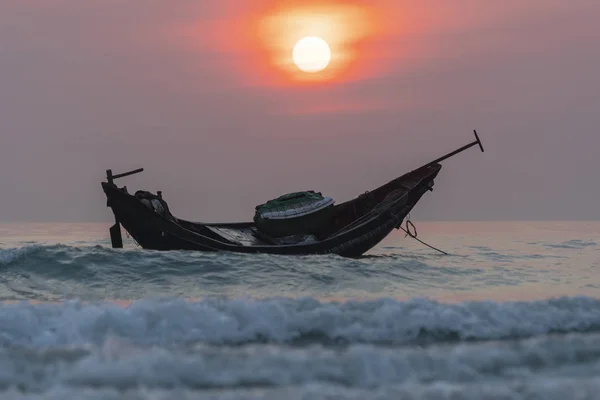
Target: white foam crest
9	256
547	389
358	366
121	366
290	320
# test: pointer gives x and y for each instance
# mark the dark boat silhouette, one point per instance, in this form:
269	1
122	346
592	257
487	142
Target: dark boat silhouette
348	229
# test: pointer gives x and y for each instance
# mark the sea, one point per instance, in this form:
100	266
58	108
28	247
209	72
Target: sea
512	311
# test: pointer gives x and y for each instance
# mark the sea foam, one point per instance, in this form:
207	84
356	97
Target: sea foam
287	320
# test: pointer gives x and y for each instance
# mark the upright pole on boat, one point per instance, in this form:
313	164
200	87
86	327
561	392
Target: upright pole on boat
115	230
455	152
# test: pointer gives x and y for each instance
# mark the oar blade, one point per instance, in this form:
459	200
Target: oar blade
115	236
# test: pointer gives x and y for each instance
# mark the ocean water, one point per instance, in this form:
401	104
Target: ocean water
513	312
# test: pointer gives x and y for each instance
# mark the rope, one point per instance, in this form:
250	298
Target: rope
130	237
414	234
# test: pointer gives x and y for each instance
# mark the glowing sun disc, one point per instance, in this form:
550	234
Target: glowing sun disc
311	54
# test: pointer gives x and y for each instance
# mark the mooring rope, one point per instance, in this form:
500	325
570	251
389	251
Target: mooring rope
131	237
407	230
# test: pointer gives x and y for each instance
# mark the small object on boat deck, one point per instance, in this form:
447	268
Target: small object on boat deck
306	213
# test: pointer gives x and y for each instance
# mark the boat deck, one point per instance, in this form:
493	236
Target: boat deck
242	237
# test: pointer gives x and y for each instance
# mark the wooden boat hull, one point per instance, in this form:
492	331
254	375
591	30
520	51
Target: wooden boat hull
153	231
355	226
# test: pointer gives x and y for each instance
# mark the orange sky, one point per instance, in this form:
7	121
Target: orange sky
267	35
257	38
370	40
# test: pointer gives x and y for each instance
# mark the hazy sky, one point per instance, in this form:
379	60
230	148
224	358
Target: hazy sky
185	89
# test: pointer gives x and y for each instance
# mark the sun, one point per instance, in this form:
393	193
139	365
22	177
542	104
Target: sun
311	54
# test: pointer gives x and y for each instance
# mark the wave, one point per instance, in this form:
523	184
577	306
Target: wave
13	255
572	244
95	272
545	388
291	321
47	258
517	367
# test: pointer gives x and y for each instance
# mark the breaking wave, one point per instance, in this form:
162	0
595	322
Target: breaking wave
291	321
162	325
545	367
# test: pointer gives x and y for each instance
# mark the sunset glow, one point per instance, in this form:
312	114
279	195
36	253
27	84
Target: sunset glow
311	54
259	40
341	27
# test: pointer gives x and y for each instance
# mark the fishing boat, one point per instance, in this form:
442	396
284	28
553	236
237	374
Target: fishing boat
299	223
